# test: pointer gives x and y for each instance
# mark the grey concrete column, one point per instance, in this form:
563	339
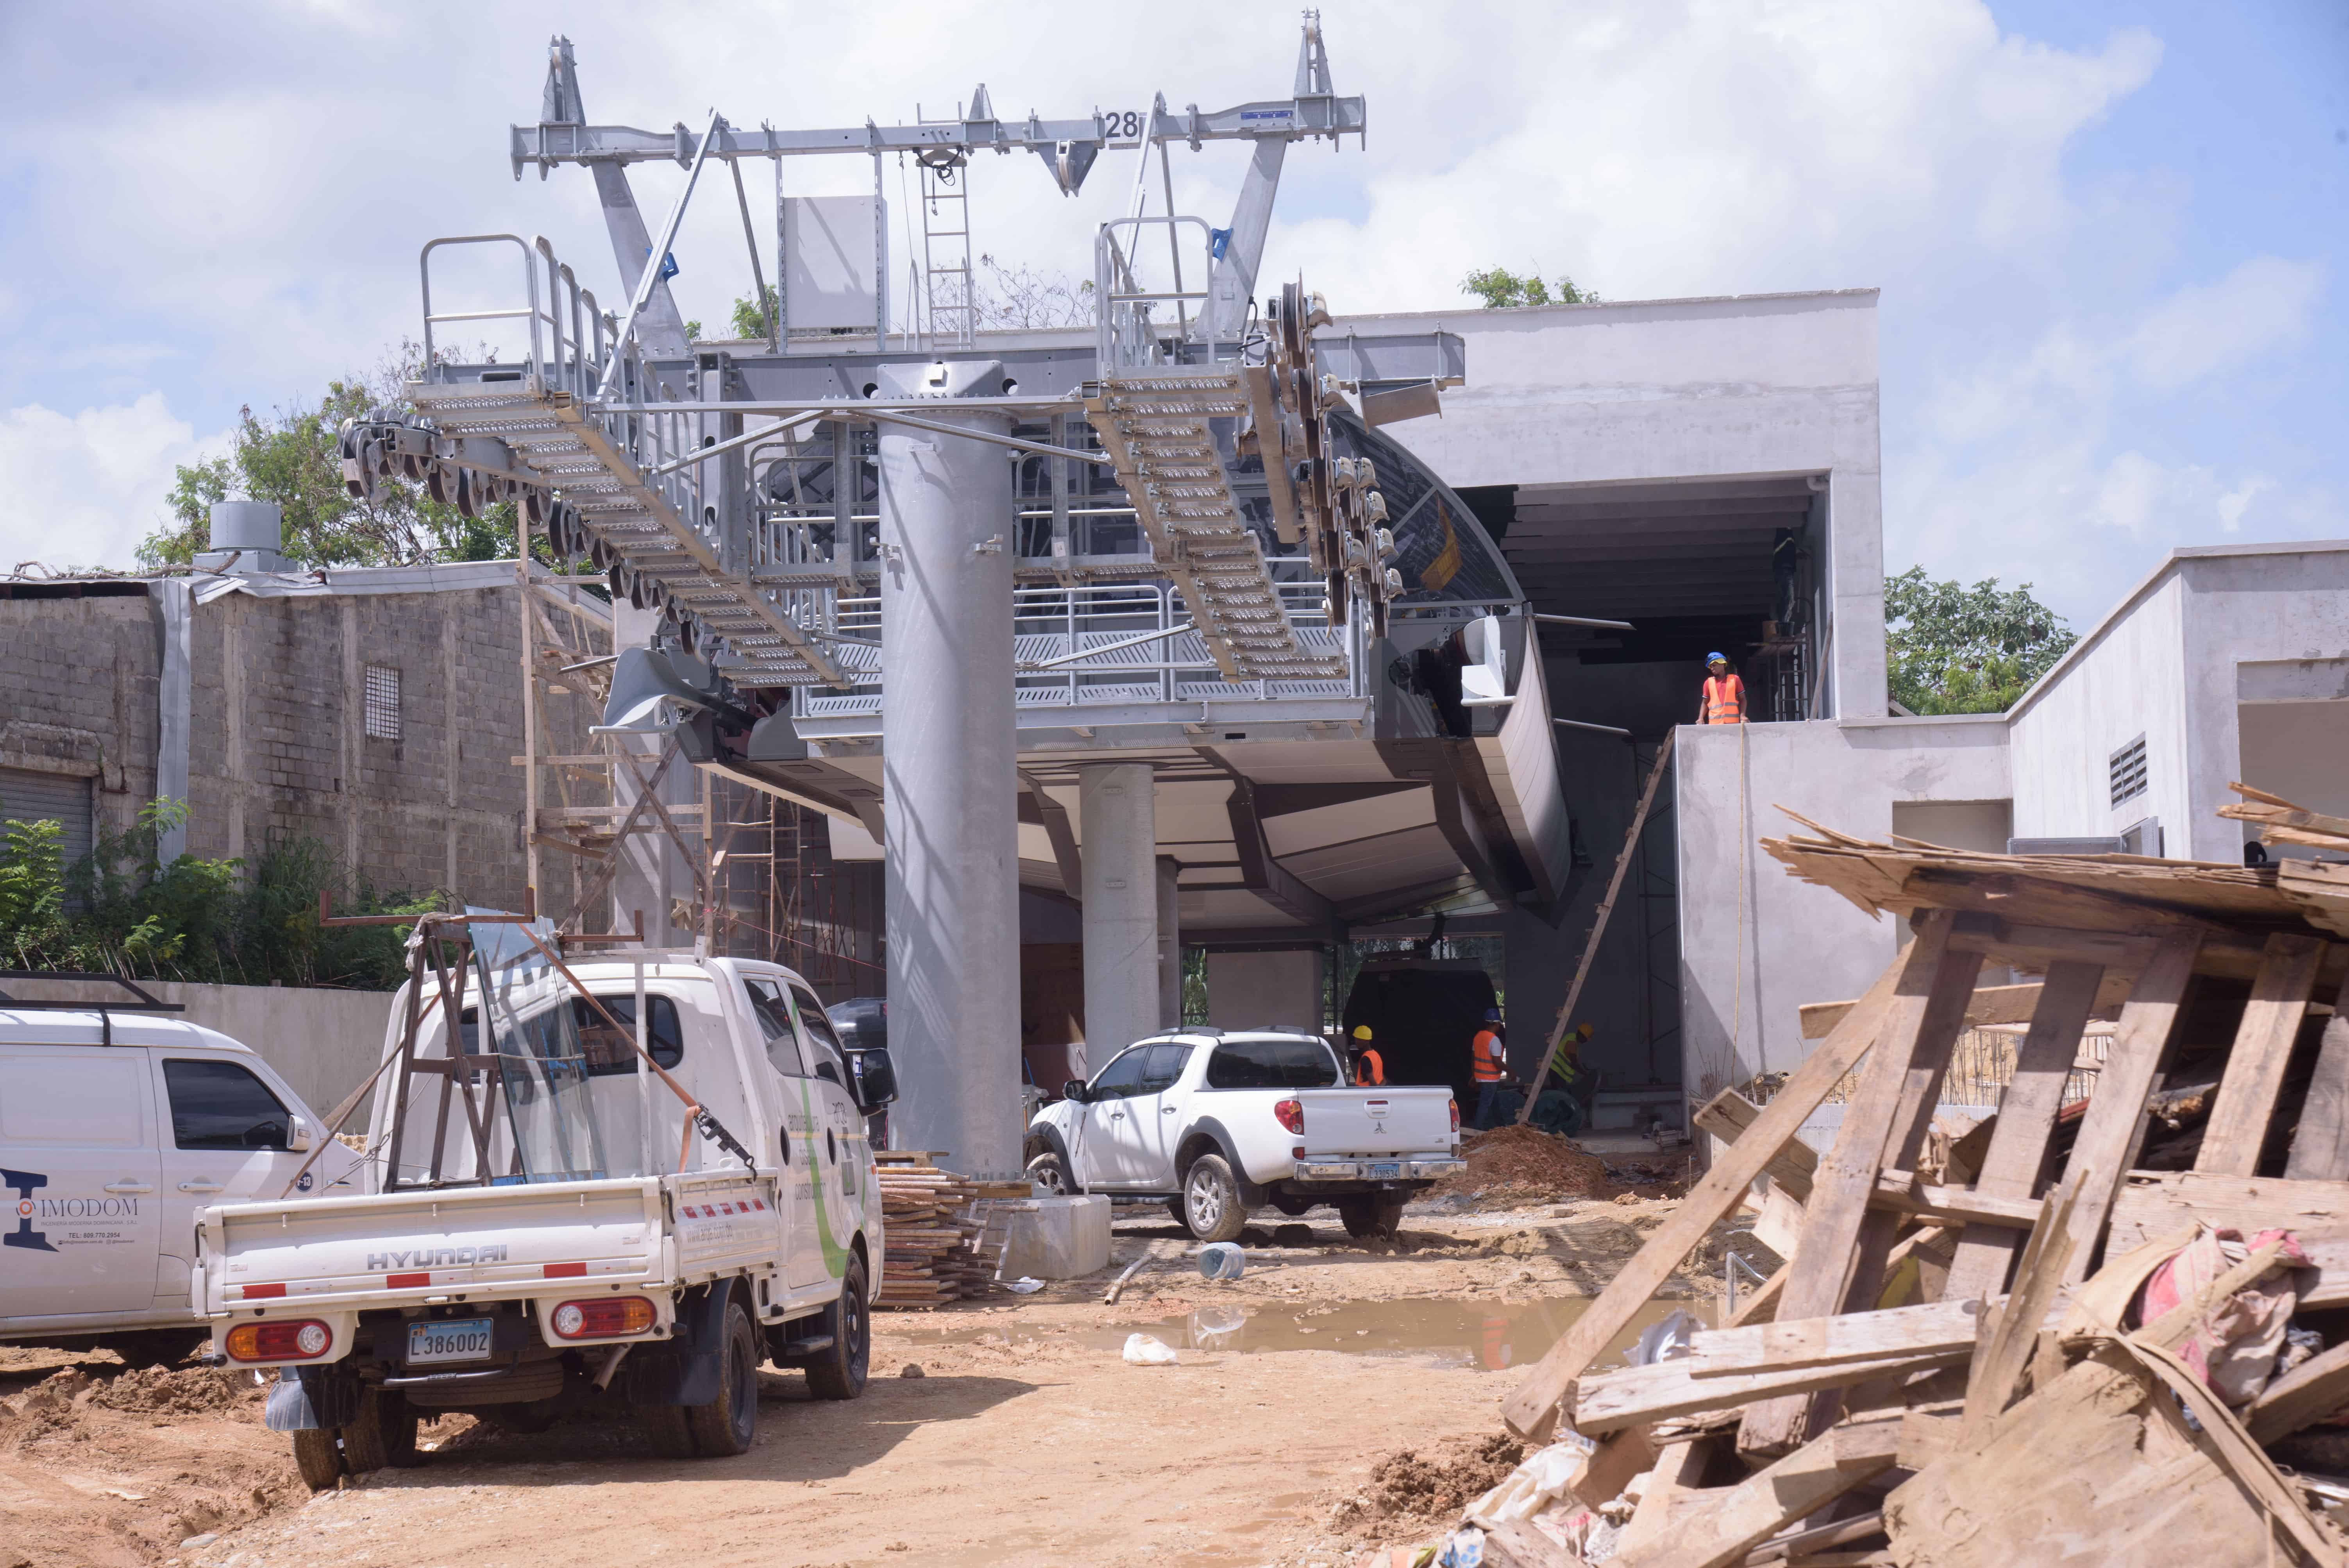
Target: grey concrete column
1170	942
1117	812
949	784
175	697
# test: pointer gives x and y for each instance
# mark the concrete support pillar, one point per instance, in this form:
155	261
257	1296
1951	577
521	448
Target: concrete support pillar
949	782
1170	943
1117	809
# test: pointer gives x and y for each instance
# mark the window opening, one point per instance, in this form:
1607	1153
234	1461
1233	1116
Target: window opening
382	703
2128	771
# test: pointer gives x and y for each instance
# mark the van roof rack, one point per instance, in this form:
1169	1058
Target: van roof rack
145	1003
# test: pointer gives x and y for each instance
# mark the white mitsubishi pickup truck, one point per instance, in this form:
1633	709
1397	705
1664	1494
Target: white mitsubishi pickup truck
551	1229
1220	1124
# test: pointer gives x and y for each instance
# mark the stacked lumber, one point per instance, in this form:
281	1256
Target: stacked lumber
932	1227
2106	1332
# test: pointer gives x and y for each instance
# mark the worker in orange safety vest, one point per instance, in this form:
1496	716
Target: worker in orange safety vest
1490	1063
1370	1067
1725	693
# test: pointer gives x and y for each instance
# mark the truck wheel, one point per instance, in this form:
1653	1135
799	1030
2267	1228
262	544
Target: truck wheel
383	1434
667	1431
1211	1200
1047	1172
1370	1214
396	1419
729	1424
839	1372
319	1459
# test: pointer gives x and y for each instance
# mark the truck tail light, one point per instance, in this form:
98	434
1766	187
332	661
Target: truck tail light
303	1339
1454	1106
1291	1114
604	1319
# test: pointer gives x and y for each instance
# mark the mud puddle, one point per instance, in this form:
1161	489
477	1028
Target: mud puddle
1492	1335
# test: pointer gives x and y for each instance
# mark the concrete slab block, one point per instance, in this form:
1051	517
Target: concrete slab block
1055	1238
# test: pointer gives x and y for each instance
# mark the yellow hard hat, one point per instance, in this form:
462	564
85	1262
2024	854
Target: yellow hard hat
1361	1032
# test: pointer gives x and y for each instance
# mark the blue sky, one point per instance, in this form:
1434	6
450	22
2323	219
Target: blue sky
2109	236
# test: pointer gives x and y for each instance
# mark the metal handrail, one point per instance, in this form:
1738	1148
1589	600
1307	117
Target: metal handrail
531	313
1122	318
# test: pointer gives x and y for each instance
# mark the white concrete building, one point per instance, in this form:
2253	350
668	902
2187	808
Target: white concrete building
2227	662
1653	462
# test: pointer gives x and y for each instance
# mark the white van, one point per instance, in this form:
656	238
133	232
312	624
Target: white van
115	1131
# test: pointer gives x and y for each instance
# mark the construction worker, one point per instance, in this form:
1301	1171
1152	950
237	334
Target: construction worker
1370	1067
1490	1062
1725	693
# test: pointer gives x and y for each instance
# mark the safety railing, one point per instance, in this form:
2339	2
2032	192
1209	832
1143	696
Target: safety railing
531	312
1127	334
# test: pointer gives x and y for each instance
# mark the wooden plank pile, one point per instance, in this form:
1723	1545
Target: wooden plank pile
933	1223
2111	1332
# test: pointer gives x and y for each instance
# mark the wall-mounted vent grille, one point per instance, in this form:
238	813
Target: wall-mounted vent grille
2128	771
382	703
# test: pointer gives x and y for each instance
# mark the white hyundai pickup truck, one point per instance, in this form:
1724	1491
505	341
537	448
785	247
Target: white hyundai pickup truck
550	1229
1221	1124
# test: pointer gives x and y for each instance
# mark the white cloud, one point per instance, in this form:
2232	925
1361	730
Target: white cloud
84	488
2264	304
2014	475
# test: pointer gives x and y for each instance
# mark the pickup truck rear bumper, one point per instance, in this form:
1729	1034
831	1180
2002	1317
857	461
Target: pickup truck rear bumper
1421	1170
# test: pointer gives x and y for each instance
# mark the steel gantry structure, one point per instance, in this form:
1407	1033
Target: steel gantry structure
958	588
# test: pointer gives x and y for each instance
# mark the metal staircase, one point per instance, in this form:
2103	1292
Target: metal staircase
1153	422
624	483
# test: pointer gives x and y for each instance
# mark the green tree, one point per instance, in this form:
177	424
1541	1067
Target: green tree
1958	650
1499	288
751	316
121	910
292	457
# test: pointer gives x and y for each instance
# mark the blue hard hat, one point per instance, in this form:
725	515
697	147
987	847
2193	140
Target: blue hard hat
1492	1015
1710	658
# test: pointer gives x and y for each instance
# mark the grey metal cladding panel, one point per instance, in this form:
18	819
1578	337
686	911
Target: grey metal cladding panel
29	796
1442	552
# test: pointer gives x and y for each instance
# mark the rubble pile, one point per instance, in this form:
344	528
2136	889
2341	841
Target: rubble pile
1528	1163
2104	1331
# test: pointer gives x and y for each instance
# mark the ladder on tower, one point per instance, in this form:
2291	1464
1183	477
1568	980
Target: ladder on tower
950	296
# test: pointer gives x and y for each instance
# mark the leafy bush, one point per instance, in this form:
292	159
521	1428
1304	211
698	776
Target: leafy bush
121	909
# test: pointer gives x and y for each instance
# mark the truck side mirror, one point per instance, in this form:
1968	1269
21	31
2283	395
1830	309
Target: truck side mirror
876	1079
1074	1089
297	1135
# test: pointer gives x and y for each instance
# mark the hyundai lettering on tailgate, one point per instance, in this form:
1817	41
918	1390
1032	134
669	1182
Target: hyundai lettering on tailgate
450	1339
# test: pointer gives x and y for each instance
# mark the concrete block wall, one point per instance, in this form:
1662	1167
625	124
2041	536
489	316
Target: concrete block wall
81	677
278	745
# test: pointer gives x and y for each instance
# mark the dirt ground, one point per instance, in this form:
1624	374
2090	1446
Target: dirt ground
1278	1437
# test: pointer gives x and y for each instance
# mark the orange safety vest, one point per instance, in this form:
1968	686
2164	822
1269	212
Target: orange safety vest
1371	1070
1724	700
1490	1066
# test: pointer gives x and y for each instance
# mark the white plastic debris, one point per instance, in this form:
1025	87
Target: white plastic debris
1665	1341
1545	1476
1221	1260
1023	1286
1142	1350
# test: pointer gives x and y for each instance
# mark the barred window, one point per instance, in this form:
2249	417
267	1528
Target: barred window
2128	771
382	703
